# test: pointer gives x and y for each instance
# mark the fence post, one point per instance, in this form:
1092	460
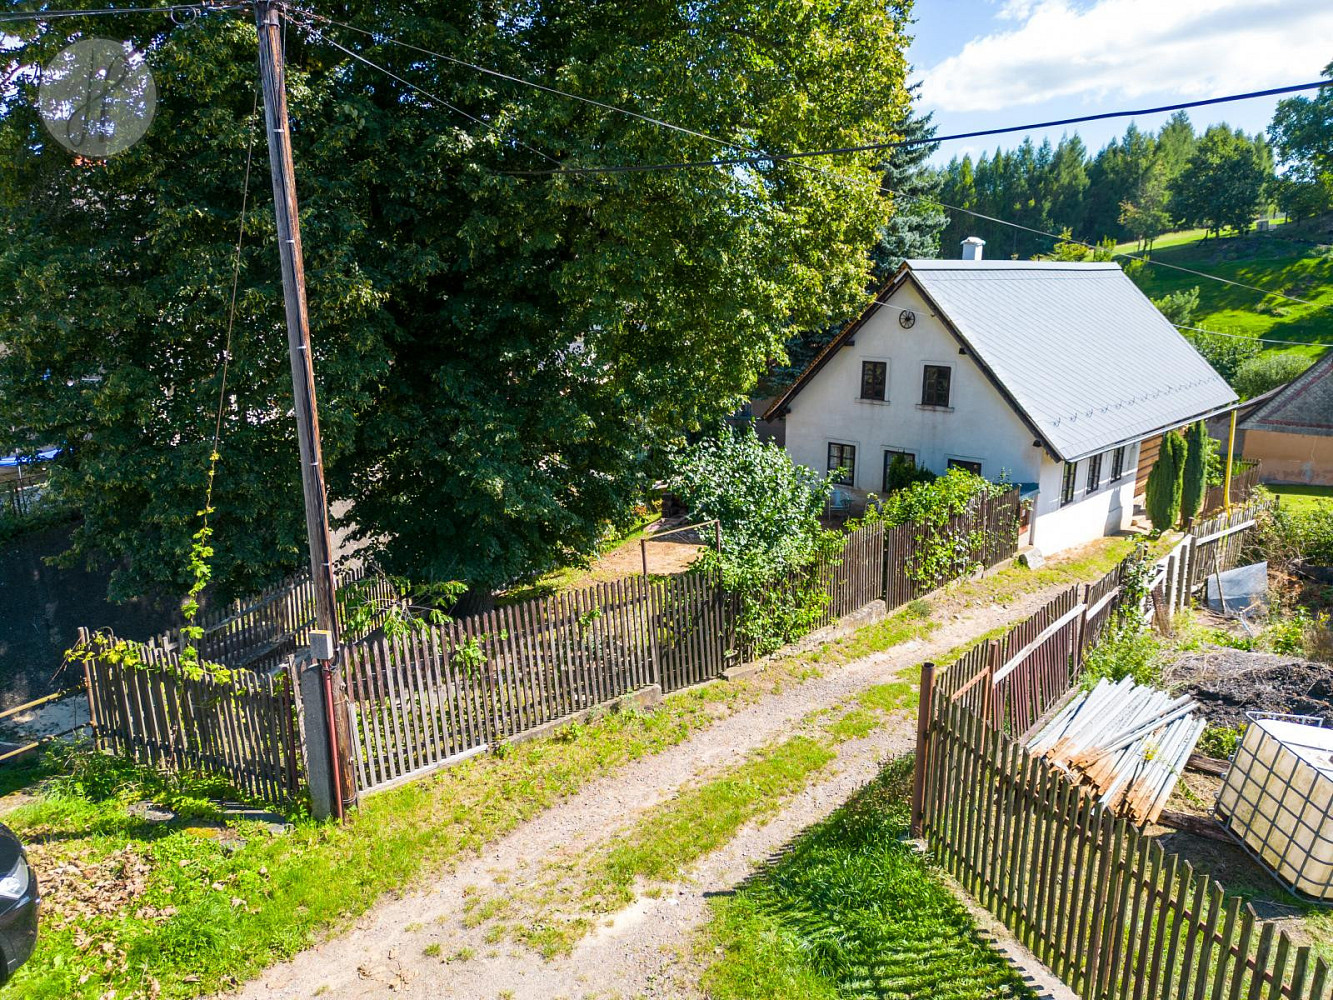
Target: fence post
992	665
924	711
86	638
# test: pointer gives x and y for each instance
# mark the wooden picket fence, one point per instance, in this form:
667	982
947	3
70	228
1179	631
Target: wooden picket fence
1244	478
1211	547
1099	902
1102	904
993	524
438	695
243	729
264	632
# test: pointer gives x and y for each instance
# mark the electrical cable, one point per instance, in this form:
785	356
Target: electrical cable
319	36
231	317
383	38
738	161
764	158
49	15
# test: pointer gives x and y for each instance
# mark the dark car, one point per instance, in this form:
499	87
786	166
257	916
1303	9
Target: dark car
18	905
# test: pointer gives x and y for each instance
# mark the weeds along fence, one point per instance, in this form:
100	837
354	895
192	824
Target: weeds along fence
243	729
1244	478
264	632
423	700
1212	547
1100	902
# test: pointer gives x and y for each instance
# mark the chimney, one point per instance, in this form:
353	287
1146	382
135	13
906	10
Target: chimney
972	248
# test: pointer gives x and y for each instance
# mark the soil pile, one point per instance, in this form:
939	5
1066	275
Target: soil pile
1230	682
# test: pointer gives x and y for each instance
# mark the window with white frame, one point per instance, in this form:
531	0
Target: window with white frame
875	380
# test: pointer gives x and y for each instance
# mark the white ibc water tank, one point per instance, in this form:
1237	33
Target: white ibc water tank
1278	801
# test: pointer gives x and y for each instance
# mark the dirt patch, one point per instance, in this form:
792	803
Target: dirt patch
1230	682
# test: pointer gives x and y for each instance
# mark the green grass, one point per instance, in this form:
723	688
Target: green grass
851	911
1304	499
235	910
1090	563
1287	260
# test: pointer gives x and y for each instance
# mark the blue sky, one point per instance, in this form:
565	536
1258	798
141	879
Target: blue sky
989	63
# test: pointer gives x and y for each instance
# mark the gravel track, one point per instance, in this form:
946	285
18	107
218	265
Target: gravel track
645	950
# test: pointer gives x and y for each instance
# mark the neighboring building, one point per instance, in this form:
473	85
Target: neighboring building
1048	373
1291	433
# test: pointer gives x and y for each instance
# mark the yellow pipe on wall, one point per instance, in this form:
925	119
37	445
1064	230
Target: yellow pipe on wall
1231	449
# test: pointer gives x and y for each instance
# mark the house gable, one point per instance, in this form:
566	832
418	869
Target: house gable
978	426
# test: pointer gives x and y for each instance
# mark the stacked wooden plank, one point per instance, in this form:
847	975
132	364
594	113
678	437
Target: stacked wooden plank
1129	742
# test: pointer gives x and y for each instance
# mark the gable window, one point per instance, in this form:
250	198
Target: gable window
962	463
891	482
842	457
874	380
1117	464
1067	488
1094	473
935	385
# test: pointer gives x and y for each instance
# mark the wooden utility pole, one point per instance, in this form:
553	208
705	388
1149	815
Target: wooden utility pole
268	19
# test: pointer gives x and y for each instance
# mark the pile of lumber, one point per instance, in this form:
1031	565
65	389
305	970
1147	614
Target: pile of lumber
1128	742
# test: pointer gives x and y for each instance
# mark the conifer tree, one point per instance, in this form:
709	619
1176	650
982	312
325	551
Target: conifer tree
1194	479
1162	497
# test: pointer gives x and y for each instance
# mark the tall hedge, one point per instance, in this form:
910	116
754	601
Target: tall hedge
1165	481
1194	478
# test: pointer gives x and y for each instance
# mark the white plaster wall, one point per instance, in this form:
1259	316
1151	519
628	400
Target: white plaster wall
981	426
1091	515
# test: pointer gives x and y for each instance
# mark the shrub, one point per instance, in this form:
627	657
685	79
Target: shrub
1220	741
1164	483
1284	535
1268	371
768	506
903	472
1194	476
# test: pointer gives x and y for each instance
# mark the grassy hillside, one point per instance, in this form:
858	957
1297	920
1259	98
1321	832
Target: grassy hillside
1296	258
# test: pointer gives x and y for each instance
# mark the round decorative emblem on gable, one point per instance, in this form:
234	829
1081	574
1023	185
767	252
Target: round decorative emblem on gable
907	319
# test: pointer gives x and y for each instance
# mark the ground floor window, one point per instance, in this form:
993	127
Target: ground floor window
1094	473
904	459
842	463
962	463
1067	488
1117	463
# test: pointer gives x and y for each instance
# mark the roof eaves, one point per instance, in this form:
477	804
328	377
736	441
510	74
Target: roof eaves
779	405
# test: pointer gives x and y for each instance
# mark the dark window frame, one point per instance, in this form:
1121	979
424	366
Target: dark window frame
883	380
1069	487
964	463
889	455
850	477
1093	481
1118	464
930	395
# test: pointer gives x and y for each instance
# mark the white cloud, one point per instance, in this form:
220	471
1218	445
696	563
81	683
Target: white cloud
1131	48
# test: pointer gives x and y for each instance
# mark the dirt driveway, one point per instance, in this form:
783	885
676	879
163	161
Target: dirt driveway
430	944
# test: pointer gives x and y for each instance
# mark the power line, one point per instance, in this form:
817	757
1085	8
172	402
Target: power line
1257	340
764	158
49	15
1118	253
738	161
318	35
383	38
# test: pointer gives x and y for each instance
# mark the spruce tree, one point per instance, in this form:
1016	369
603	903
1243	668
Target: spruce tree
1162	497
1194	479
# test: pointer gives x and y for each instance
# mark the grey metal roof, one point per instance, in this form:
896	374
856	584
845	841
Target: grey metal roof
1303	406
1080	350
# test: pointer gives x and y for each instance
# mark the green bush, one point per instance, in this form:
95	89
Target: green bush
1194	477
1268	371
1162	497
1285	534
903	472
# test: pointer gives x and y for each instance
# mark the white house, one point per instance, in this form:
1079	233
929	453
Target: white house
1049	373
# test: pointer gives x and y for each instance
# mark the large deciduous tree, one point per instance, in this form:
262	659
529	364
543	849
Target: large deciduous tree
1223	184
1302	134
499	355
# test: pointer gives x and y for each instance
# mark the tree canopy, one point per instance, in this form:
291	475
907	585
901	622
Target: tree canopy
500	357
